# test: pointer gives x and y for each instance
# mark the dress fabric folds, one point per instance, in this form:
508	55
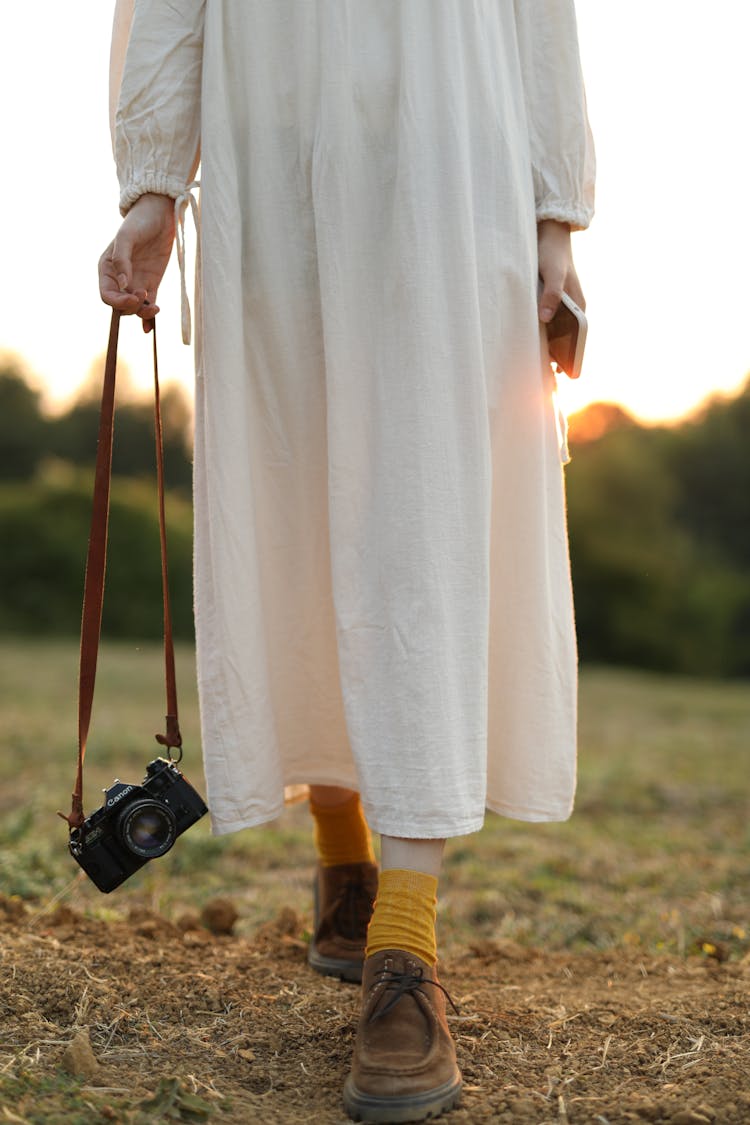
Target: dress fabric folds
382	585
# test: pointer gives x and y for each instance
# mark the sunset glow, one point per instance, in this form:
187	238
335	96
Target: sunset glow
667	101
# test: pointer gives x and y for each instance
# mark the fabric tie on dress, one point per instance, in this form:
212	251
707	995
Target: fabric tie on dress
559	413
180	207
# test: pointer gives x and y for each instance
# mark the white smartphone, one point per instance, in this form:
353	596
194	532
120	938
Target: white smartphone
566	337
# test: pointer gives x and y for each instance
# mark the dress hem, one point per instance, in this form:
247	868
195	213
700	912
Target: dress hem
556	815
550	815
224	828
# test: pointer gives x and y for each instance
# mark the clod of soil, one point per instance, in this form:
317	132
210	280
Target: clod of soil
189	920
219	915
78	1057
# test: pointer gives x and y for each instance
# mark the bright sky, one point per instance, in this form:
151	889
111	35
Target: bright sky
664	265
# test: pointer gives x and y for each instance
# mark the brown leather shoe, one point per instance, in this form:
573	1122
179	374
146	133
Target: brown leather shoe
344	896
404	1066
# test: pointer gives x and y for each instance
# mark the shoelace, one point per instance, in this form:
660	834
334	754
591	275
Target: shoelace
352	909
401	983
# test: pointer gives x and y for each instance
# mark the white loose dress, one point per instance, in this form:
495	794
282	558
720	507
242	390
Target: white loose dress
382	585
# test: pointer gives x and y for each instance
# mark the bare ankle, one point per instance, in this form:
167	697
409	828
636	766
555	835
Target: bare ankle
412	855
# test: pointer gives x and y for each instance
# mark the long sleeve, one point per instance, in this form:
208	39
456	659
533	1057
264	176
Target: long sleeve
562	148
155	92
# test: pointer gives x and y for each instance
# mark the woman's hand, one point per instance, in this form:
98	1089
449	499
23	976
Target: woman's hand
132	266
556	268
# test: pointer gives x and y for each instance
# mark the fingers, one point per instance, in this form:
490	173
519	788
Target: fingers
574	290
131	303
554	283
132	266
126	303
552	295
556	268
117	261
115	281
148	312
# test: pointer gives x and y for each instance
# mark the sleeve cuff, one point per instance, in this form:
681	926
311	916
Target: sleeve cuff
150	182
577	217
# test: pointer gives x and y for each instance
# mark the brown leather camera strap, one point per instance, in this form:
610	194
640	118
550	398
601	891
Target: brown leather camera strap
96	559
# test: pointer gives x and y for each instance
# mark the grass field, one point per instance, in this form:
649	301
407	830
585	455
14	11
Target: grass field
657	853
601	966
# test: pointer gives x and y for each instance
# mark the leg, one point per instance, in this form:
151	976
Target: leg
404	1066
404	915
412	855
328	796
345	882
342	835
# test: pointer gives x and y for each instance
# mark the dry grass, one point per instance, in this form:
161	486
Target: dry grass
656	856
191	1026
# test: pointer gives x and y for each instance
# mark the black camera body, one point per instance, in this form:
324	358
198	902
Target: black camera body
136	823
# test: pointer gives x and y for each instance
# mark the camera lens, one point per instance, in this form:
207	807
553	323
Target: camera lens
148	828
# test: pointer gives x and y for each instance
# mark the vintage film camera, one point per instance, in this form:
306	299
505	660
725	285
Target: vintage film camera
136	823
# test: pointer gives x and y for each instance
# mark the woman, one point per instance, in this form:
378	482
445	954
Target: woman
382	588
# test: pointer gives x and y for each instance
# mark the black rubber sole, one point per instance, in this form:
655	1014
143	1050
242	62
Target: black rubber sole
334	967
417	1107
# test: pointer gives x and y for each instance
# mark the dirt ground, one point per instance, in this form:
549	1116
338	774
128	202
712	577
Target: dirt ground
189	1025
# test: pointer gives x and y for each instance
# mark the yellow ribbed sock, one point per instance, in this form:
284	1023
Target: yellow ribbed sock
341	833
404	914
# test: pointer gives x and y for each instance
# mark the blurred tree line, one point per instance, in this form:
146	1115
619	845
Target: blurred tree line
46	482
659	526
660	538
29	437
